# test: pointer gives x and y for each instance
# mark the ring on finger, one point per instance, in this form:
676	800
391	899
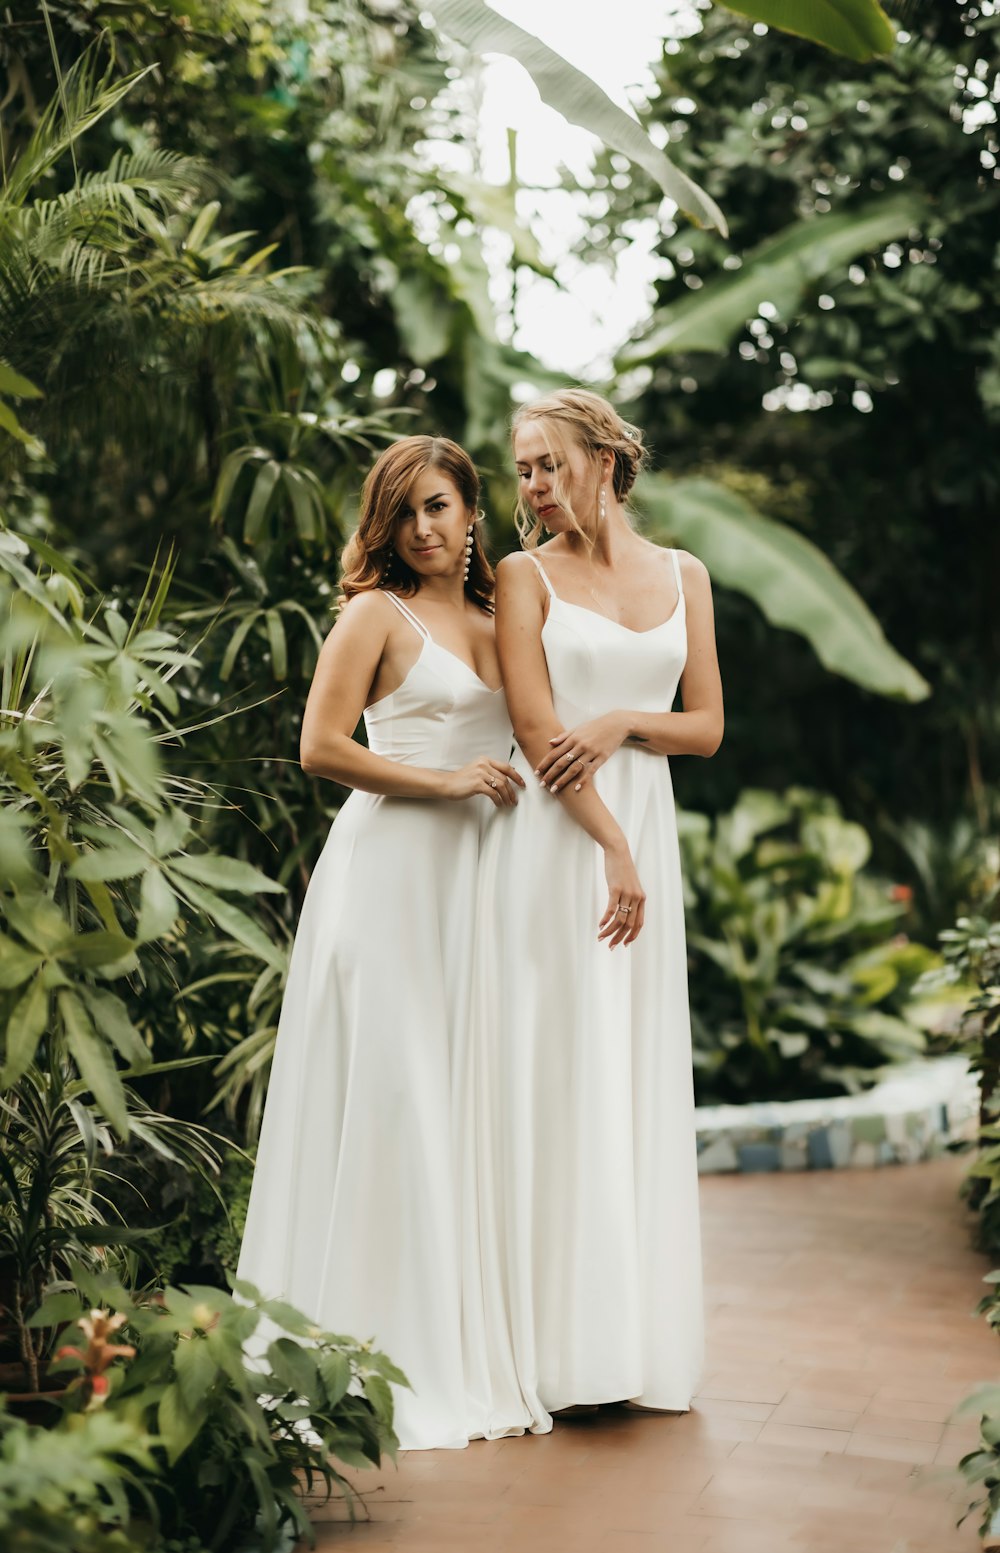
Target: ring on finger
494	782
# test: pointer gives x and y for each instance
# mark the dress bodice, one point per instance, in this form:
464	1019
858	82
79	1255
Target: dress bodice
597	665
442	715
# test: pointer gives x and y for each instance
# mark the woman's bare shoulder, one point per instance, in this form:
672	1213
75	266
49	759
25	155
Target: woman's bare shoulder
366	615
516	566
693	570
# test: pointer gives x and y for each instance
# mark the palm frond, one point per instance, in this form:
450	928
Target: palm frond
88	93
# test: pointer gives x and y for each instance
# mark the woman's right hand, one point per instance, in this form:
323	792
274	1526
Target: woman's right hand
493	779
625	911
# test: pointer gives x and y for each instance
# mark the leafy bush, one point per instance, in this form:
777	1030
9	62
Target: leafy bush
67	1488
198	1219
101	860
972	962
799	984
174	1434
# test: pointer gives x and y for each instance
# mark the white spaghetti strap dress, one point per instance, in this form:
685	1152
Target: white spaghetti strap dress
354	1210
581	1241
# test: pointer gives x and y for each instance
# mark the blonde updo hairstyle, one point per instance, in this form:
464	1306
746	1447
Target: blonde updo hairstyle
577	415
369	559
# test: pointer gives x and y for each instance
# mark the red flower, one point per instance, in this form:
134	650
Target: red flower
901	892
98	1355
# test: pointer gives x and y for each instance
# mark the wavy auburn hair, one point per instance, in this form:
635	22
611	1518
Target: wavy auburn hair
583	417
369	559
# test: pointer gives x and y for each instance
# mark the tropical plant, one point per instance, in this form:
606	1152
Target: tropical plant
953	864
834	374
88	805
800	986
788	577
229	1443
189	1223
972	966
981	1466
57	1169
859	28
780	272
972	963
575	95
172	1440
68	1488
120	275
100	854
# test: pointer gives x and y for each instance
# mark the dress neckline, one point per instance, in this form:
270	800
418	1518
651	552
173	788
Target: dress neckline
429	641
556	598
618	624
424	632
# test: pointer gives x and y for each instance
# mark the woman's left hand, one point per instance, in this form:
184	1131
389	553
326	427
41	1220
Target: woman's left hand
575	755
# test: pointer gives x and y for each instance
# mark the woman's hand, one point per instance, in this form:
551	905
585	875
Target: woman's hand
576	754
484	777
626	908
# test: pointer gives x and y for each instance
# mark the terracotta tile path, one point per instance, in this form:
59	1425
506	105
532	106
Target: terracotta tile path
840	1340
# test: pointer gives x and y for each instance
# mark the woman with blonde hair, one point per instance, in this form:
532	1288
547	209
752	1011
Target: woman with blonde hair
354	1210
583	1275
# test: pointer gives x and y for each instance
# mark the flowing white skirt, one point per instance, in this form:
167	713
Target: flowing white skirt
354	1210
582	1261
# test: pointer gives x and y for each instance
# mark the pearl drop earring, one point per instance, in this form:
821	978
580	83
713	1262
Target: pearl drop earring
603	504
468	554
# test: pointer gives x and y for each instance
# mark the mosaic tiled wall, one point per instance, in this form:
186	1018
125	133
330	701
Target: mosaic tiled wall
910	1116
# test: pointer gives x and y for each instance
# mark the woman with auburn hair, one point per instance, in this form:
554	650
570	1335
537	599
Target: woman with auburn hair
583	1278
354	1210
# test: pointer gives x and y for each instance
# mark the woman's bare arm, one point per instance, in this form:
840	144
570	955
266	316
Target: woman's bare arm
520	617
698	729
572	758
338	695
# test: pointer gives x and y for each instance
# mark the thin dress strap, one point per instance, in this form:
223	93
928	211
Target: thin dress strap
677	574
408	614
543	573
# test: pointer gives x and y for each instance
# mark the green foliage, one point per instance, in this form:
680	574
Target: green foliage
788	577
193	1221
859	28
106	840
954	867
972	961
14	386
105	882
68	1487
981	1467
58	1169
113	270
188	1437
575	95
826	391
780	272
972	964
799	986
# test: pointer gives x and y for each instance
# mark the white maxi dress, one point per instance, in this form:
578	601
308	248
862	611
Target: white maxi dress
355	1206
581	1242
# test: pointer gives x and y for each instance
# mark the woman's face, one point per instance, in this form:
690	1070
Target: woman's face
432	527
545	481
